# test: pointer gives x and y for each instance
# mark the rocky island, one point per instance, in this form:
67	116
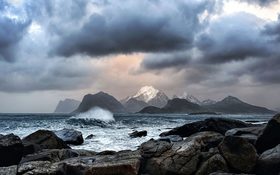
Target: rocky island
213	146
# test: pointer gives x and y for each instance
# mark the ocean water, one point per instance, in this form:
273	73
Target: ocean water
110	131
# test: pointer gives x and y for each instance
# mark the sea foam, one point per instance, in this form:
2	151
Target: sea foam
95	116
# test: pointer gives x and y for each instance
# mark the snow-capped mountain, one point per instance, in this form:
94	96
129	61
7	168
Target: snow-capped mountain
208	102
190	98
150	96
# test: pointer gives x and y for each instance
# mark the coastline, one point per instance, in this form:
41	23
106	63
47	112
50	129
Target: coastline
202	147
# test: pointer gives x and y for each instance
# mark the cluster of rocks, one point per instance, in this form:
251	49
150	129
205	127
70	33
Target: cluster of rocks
214	146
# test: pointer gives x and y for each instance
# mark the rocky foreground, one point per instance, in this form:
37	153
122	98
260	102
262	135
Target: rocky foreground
214	146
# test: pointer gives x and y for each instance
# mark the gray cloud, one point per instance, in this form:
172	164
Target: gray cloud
260	2
11	32
37	75
233	38
129	28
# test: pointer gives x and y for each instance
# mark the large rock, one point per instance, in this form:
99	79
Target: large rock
136	134
11	170
213	164
163	157
220	125
56	155
39	168
270	136
269	162
122	163
42	139
11	150
70	136
250	133
239	153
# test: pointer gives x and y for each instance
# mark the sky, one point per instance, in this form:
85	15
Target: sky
52	50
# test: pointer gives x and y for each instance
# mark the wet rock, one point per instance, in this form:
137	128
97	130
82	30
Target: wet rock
138	134
11	150
124	163
52	155
171	138
89	137
239	153
42	139
154	148
10	170
213	164
162	157
250	133
270	136
220	125
269	162
70	136
39	168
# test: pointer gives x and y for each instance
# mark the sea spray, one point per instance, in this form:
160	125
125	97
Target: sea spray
95	116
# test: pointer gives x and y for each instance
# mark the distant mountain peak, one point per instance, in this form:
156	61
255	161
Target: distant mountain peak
190	98
146	93
232	99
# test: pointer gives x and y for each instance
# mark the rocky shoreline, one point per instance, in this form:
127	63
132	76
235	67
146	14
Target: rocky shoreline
216	146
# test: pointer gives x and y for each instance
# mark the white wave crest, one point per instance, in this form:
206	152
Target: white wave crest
96	113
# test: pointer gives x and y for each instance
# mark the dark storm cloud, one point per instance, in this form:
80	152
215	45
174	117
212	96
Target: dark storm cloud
136	26
233	38
11	33
47	75
162	61
260	2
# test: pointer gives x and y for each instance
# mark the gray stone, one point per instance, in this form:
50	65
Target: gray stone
270	136
123	163
38	168
269	162
10	170
70	136
239	153
11	150
171	138
250	133
213	164
42	139
181	158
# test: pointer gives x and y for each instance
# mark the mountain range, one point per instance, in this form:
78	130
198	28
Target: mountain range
66	106
151	100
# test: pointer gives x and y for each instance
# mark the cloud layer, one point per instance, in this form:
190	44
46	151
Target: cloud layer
50	45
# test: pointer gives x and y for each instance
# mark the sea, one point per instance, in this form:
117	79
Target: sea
110	131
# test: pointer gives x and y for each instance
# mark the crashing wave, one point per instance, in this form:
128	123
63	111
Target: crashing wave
96	117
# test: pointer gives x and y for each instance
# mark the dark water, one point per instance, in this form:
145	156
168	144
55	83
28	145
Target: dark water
111	132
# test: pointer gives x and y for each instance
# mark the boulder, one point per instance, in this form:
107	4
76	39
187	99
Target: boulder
39	168
269	162
51	155
162	157
213	164
270	136
154	148
138	134
220	125
239	153
250	133
171	138
89	137
10	170
42	139
11	150
70	136
124	163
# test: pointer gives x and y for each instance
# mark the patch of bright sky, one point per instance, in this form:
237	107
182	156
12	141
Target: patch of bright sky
269	13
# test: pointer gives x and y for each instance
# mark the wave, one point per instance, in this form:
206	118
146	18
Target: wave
96	117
